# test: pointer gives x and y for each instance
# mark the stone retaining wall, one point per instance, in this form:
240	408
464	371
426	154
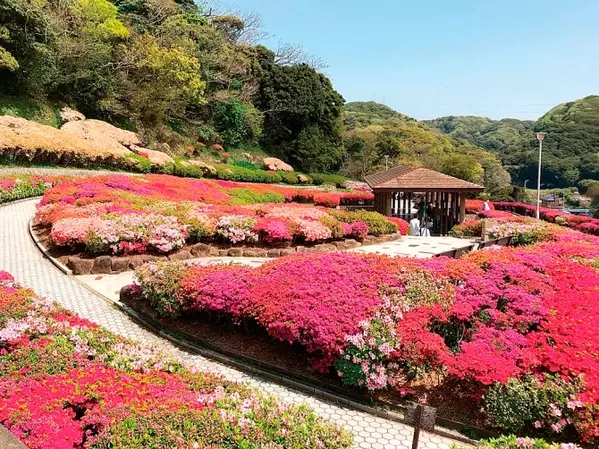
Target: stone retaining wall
119	264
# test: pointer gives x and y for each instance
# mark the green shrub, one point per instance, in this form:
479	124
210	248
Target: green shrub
160	282
328	178
288	177
519	403
246	196
30	109
245	164
514	442
233	173
138	163
186	170
377	223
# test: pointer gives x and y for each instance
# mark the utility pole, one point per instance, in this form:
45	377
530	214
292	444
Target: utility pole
540	137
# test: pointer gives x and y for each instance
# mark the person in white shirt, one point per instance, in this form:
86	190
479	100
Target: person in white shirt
415	226
486	205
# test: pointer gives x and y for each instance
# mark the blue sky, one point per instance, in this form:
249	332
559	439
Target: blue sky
429	58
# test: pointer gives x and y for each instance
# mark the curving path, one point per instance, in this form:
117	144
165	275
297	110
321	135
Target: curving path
19	256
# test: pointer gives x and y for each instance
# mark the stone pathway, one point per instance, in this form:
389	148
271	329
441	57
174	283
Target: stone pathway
419	247
19	256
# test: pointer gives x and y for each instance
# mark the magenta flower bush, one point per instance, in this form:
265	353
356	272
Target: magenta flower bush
66	383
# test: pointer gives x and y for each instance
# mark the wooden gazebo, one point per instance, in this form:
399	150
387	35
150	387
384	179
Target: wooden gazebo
397	190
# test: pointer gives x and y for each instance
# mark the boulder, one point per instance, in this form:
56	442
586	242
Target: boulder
289	251
80	266
273	253
207	169
120	264
100	131
303	179
200	250
135	261
180	255
24	139
272	163
235	252
102	265
70	115
158	158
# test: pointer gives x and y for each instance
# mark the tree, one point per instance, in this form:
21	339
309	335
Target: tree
296	101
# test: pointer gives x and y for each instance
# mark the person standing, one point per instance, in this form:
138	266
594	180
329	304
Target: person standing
415	226
486	206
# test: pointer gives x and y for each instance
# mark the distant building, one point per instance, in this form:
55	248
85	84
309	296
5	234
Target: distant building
552	201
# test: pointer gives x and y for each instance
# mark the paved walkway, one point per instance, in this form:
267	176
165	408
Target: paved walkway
419	247
19	256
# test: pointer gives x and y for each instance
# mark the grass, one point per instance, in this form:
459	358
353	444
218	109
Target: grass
30	109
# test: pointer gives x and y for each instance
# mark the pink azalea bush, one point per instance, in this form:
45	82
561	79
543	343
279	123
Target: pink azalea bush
162	213
512	330
66	383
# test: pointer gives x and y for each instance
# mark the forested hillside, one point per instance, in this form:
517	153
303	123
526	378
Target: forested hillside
373	131
171	70
571	147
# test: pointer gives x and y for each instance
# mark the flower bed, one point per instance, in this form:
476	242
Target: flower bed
580	223
159	214
18	187
511	332
66	383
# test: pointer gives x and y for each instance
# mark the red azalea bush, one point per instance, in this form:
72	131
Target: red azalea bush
66	383
481	325
580	223
326	199
475	206
402	225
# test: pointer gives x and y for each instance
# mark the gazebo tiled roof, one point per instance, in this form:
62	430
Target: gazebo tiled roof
418	179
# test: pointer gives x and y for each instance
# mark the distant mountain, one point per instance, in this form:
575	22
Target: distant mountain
376	135
571	148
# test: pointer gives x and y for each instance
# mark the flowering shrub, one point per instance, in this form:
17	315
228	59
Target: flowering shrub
359	230
275	229
580	223
26	186
469	228
513	442
402	225
162	213
513	329
237	229
66	383
476	206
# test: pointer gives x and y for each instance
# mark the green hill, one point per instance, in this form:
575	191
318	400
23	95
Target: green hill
373	131
571	147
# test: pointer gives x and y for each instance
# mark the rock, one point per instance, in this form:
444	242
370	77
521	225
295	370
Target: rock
80	266
215	252
351	243
70	115
26	140
341	246
200	250
272	163
149	258
235	252
370	239
180	255
156	158
273	253
247	156
301	249
222	252
120	264
135	261
249	252
207	169
303	179
102	265
102	132
288	251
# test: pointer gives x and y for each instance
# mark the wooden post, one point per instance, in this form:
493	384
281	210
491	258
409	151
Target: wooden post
417	426
462	207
